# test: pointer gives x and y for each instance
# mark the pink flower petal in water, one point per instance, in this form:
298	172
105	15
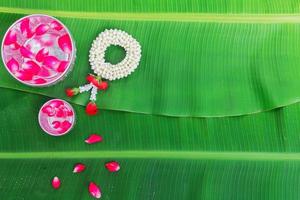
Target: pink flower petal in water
51	62
41	54
10	38
26	53
23	75
25	28
31	67
56	25
56	124
79	168
44	72
14	46
41	29
56	103
94	138
60	113
64	42
66	125
13	65
49	110
94	190
55	182
70	113
62	66
112	166
39	81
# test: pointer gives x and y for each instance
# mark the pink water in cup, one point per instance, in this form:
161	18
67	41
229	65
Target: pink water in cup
38	50
56	117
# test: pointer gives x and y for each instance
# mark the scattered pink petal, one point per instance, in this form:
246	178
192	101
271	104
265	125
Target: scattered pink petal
112	166
55	182
51	62
66	125
49	110
26	53
41	54
62	66
10	38
64	42
13	65
25	28
39	81
44	72
24	76
56	25
41	29
56	124
70	113
31	67
79	168
60	113
94	138
94	190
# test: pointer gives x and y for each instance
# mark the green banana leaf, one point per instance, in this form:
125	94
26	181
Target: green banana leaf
210	113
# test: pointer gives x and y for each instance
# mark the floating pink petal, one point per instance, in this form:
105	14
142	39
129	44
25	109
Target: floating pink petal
14	46
51	62
24	76
94	138
112	166
39	81
55	182
56	25
79	168
49	110
10	38
26	53
13	65
31	67
56	124
66	125
64	42
41	29
25	28
62	66
56	103
40	56
44	72
60	113
94	190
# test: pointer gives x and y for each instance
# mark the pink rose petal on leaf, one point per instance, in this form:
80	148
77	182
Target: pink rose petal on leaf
51	62
79	168
44	72
25	28
112	166
31	67
41	54
10	38
41	29
64	42
62	66
56	25
55	182
26	53
39	81
24	76
56	124
94	138
94	190
13	65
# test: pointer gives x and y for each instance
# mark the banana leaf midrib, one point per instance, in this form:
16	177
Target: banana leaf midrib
181	155
160	16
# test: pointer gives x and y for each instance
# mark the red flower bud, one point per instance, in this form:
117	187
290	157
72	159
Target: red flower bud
90	78
71	92
91	108
103	85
